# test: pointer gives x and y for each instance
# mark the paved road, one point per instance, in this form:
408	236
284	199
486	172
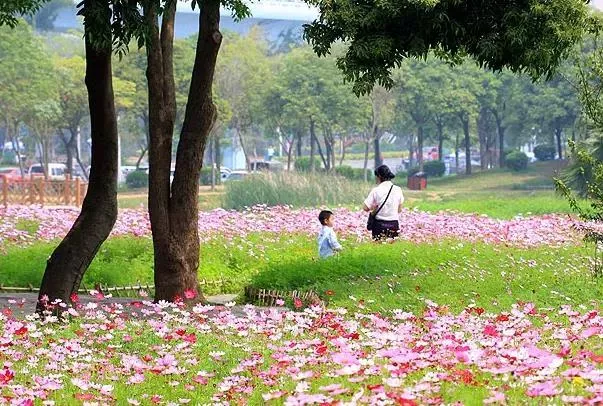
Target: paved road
22	304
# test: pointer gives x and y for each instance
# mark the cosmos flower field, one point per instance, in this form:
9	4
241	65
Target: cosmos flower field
137	352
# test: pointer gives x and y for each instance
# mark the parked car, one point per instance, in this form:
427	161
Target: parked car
55	171
236	175
224	173
10	174
273	166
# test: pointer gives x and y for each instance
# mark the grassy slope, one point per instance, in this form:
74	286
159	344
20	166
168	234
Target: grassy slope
497	193
387	276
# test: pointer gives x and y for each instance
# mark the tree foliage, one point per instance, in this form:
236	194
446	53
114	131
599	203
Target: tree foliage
525	36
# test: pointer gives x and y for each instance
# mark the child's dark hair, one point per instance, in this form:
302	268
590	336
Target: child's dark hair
324	216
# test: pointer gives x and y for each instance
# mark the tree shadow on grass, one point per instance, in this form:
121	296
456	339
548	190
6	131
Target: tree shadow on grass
379	274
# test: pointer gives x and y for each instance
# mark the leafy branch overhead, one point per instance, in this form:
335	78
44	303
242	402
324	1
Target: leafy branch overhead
525	36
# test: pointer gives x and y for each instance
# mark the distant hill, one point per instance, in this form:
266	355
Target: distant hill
277	31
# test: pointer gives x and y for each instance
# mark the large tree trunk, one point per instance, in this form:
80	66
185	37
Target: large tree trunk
69	261
174	219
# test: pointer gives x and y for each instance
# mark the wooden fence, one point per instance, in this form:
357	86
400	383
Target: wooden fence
68	192
268	297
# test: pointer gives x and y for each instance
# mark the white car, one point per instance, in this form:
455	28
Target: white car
236	175
55	171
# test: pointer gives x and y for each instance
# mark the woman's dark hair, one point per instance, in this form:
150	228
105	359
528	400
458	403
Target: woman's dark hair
384	173
324	216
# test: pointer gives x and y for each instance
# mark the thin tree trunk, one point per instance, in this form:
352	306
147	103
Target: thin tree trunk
289	154
312	147
366	155
420	147
15	141
317	143
558	132
241	141
377	152
212	159
342	157
501	140
456	152
465	121
327	160
483	138
411	152
440	141
69	261
299	144
69	149
81	164
141	157
218	155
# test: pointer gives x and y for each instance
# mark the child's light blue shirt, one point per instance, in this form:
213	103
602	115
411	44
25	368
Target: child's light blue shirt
327	242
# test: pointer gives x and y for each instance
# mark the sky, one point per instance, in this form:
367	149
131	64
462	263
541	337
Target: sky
273	9
597	3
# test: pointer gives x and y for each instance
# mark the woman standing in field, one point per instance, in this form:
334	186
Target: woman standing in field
384	204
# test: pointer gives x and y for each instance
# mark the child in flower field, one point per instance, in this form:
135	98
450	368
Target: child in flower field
327	240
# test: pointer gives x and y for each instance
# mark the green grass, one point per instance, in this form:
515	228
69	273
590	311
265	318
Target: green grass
504	205
456	274
538	175
496	193
387	276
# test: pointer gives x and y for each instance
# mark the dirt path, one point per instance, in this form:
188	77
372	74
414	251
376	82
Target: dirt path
21	304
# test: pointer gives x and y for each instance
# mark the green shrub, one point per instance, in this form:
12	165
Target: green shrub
302	164
137	180
359	174
346	171
402	175
8	158
517	161
434	168
290	188
205	178
545	152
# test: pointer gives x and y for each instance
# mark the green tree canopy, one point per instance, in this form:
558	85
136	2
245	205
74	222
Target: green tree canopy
525	36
